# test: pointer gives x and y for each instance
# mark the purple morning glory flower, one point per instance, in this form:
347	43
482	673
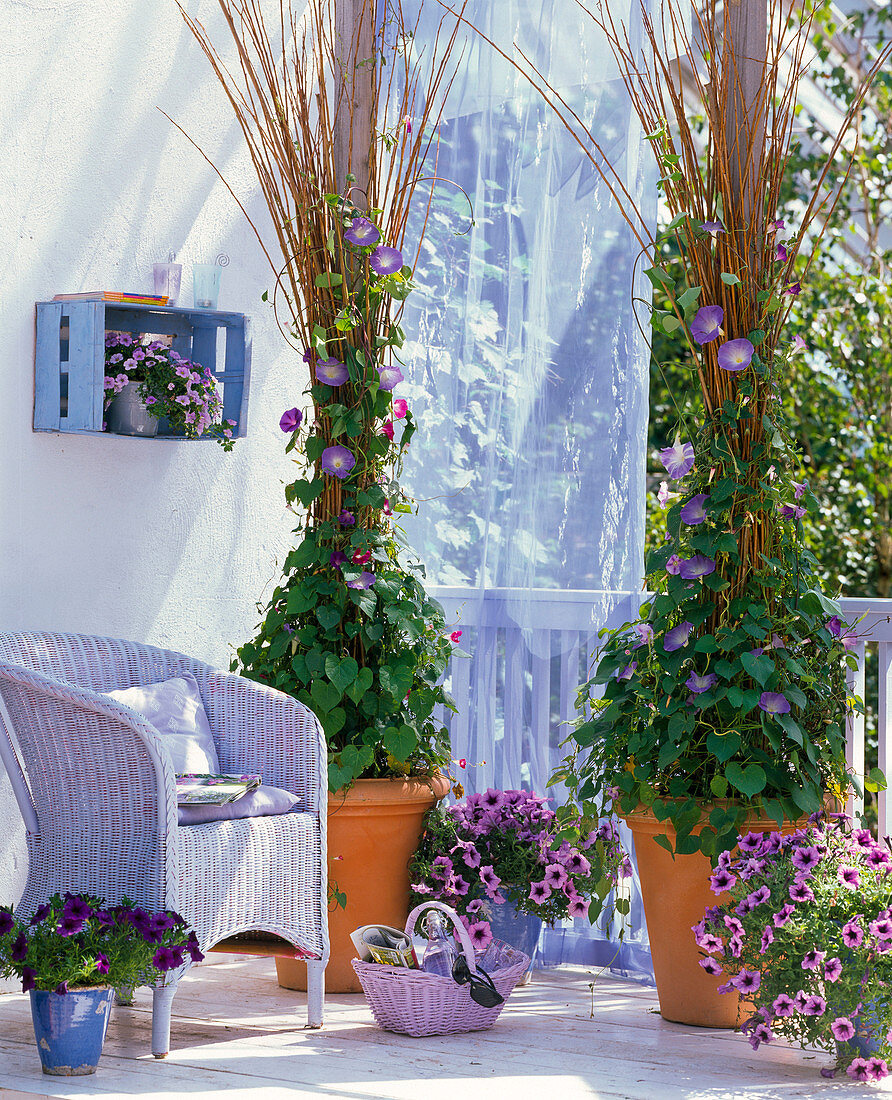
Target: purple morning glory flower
362	233
364	580
290	420
798	344
346	518
386	260
697	566
337	559
712	227
389	377
337	461
699	684
331	372
798	489
792	511
677	637
677	460
781	255
735	355
778	224
707	324
673	565
794	289
774	702
645	634
834	625
694	511
628	672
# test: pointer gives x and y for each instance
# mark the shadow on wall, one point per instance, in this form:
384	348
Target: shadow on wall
172	543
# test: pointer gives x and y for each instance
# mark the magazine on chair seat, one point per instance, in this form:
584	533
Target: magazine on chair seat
214	790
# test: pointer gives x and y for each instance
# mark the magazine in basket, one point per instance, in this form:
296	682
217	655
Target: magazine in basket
382	944
214	790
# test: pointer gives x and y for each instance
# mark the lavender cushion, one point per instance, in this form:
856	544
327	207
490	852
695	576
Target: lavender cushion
175	709
263	802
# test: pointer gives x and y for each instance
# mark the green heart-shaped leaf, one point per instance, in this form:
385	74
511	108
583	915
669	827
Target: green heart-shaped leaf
749	780
341	672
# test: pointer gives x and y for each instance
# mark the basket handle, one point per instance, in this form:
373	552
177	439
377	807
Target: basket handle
466	945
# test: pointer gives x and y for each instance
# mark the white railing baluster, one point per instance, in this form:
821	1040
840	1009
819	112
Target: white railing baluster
512	747
540	750
884	730
855	732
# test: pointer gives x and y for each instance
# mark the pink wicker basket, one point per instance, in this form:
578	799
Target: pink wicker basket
414	1002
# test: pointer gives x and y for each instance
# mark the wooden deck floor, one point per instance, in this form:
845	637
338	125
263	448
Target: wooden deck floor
236	1033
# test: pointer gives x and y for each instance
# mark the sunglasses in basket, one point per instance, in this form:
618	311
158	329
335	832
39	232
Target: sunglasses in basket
482	990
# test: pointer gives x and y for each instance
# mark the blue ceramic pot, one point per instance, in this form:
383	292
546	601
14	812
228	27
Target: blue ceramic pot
70	1028
517	929
868	1037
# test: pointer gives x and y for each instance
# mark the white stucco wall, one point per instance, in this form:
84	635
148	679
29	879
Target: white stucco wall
170	543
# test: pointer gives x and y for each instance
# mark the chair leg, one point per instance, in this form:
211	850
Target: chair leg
315	992
162	1002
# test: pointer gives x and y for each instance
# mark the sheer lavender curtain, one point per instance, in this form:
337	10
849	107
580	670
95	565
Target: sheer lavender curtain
528	371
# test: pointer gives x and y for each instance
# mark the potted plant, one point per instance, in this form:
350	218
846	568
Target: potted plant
805	935
72	955
723	708
146	381
506	862
339	120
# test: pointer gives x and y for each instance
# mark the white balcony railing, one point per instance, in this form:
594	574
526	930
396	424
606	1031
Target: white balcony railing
527	679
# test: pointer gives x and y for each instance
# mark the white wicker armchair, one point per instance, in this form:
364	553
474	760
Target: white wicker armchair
96	789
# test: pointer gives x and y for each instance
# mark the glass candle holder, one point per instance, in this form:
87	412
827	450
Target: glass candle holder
205	285
167	281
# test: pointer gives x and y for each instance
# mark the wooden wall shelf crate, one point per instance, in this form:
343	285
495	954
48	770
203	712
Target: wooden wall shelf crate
69	365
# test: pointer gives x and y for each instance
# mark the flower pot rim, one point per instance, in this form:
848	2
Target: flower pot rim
644	818
76	989
383	792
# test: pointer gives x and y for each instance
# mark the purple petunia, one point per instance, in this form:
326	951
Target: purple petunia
706	326
852	933
19	950
40	914
814	1006
539	891
813	959
167	958
337	461
721	880
77	907
698	566
848	877
6	922
843	1029
332	372
806	858
694	511
69	926
362	233
832	970
480	934
290	420
747	981
677	460
102	966
711	965
783	1005
800	892
698	684
736	355
677	637
389	377
29	978
774	702
386	260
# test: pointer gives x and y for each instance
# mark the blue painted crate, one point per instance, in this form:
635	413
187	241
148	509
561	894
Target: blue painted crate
69	365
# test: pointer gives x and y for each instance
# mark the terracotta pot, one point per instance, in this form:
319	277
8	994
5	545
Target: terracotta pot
373	830
676	893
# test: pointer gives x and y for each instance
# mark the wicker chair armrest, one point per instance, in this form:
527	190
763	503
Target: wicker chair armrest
260	730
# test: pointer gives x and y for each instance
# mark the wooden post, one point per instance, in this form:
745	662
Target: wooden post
746	42
354	25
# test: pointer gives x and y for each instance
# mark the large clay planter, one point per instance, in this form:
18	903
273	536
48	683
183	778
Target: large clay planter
373	830
676	893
